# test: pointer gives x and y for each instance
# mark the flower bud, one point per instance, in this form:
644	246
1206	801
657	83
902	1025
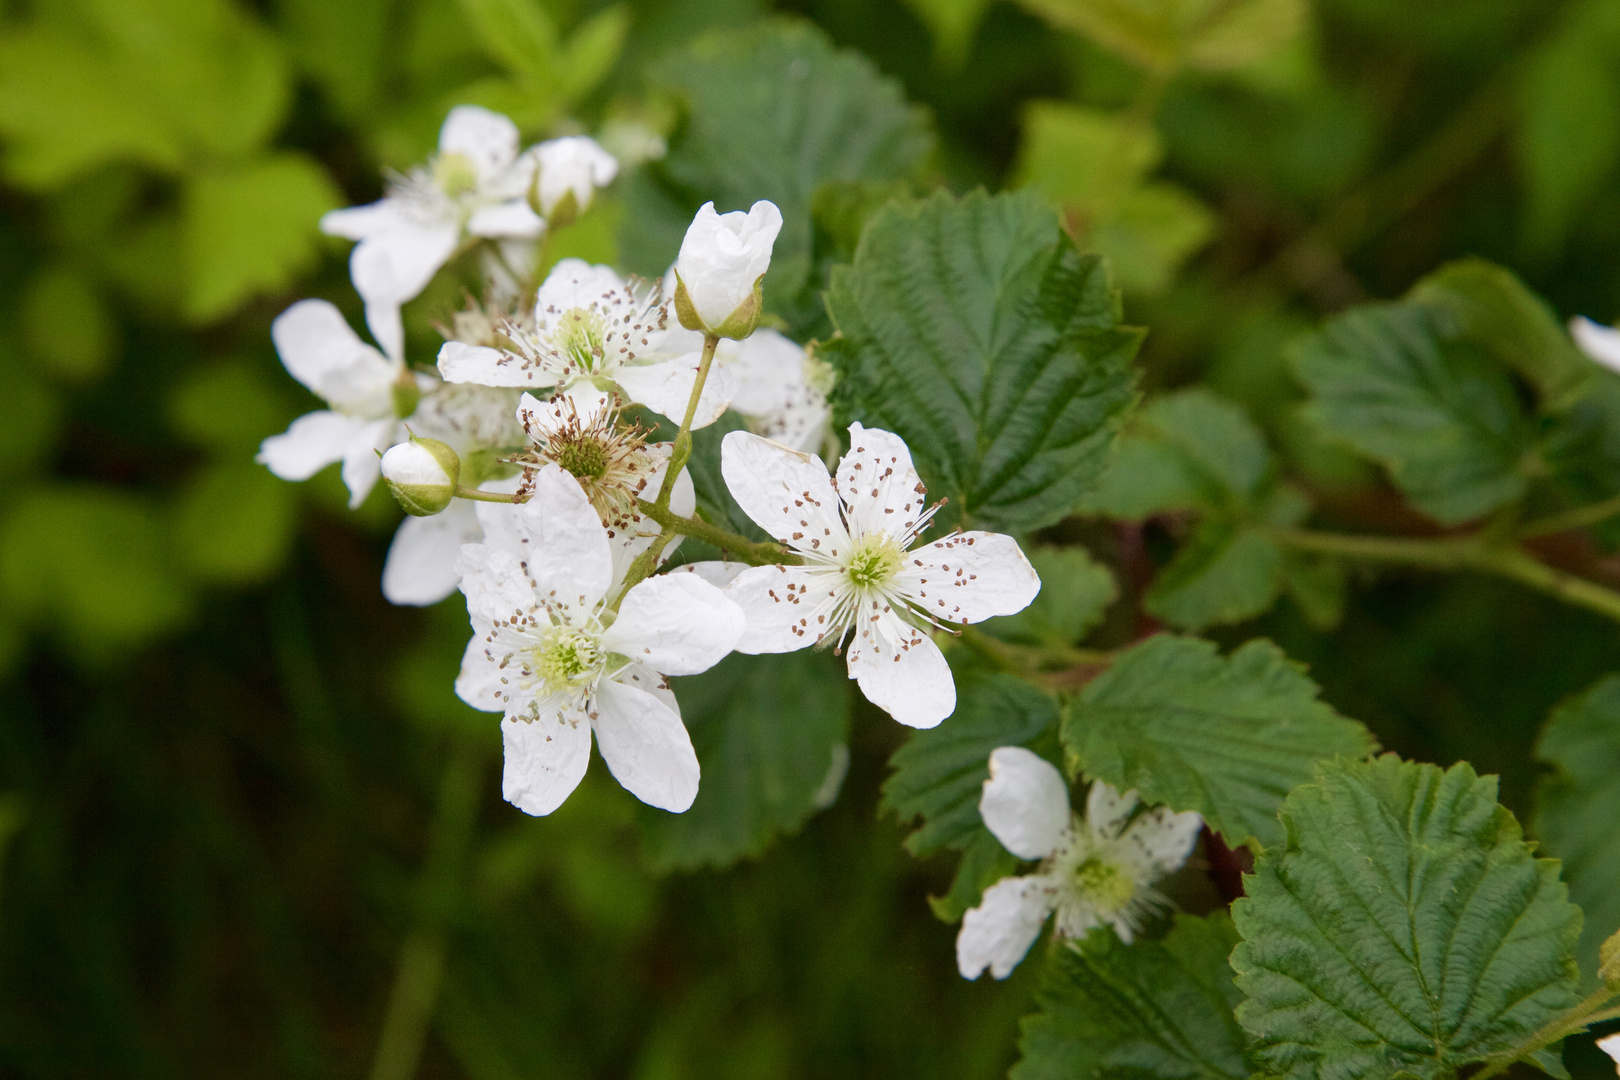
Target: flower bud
422	474
722	262
567	172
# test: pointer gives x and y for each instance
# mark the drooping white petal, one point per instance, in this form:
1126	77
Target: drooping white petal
487	139
675	624
1025	802
1160	840
968	577
393	265
910	681
481	682
569	554
512	219
1107	810
646	746
494	581
361	464
666	387
312	442
460	362
881	489
323	352
998	933
786	493
545	759
421	564
779	603
1601	343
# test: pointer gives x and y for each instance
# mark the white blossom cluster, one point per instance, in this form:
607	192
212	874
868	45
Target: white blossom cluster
532	488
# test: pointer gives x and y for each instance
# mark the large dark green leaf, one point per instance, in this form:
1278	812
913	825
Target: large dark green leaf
976	331
1406	927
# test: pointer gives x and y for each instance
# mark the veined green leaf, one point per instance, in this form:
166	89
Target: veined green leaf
1226	572
1225	736
1075	591
1406	928
974	330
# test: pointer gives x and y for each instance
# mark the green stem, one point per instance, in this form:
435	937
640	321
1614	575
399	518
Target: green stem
1559	1027
422	955
477	495
1037	662
745	550
1579	518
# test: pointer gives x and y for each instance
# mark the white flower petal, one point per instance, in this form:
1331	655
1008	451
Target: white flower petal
387	327
421	564
494	582
394	265
1610	1044
361	464
677	625
1601	343
880	488
780	604
1025	802
359	222
574	163
1107	810
487	139
321	350
723	255
998	933
715	572
968	577
769	369
666	387
786	493
545	759
569	555
575	283
460	362
481	682
909	680
512	219
646	746
312	442
1162	840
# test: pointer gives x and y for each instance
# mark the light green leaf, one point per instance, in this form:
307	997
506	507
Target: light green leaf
1144	477
227	407
953	24
251	229
69	333
235	523
340	46
1151	231
1439	412
1491	307
592	50
1225	736
1405	929
974	330
939	773
1075	591
1153	1009
519	34
1158	34
770	735
1578	808
1227	572
1071	153
1318	586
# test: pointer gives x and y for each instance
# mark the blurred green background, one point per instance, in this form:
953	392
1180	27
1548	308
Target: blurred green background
236	791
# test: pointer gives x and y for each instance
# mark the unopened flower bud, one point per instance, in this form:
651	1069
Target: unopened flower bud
723	259
422	474
567	173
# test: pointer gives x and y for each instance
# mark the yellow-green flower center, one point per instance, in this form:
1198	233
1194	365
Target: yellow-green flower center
581	334
585	458
568	659
454	174
874	562
1104	885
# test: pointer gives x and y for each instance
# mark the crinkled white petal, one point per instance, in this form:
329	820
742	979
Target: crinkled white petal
487	139
421	564
312	442
645	745
545	759
1601	343
394	265
323	352
361	465
481	682
908	679
512	219
460	362
666	387
1160	840
569	554
881	489
968	577
675	624
1025	802
1107	810
787	493
494	582
779	603
998	933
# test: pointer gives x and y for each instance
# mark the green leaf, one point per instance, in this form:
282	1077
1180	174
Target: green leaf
234	524
1159	1009
1072	153
984	862
773	112
518	34
1406	927
228	407
953	24
1158	34
1440	413
1318	586
1491	307
1225	736
69	332
341	47
939	773
1226	573
1152	230
1578	805
770	735
592	50
974	330
251	230
1075	592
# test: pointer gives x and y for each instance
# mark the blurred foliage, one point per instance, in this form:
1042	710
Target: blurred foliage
222	796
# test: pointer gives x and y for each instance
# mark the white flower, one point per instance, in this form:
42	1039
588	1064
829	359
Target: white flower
421	565
775	391
593	333
574	164
1095	872
549	654
367	393
860	571
723	256
1601	343
1610	1044
476	185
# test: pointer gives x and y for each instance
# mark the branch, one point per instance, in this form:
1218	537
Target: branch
746	550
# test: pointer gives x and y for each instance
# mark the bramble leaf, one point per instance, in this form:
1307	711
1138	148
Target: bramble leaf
1405	929
1225	736
1075	591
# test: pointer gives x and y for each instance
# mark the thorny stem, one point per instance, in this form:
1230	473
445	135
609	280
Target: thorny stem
745	550
1570	1023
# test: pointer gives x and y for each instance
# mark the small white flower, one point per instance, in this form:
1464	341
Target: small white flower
775	391
594	333
723	256
366	390
1601	343
1610	1044
476	185
551	655
574	164
861	575
1095	872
